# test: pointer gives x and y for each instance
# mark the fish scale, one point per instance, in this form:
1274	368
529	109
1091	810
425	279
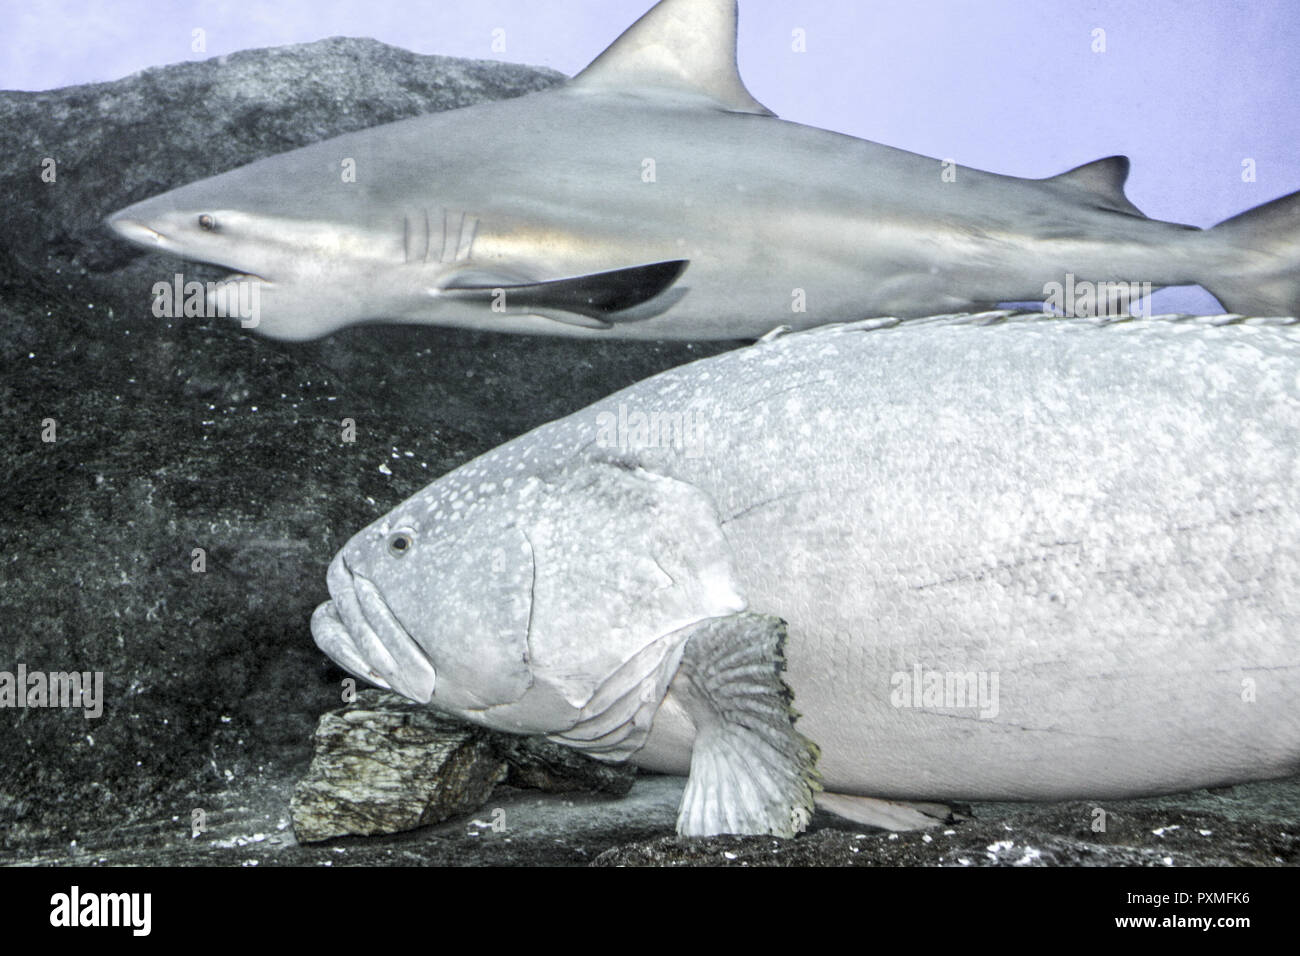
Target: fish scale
1232	569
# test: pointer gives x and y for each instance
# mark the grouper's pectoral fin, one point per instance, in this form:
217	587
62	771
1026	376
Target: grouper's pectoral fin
751	771
598	300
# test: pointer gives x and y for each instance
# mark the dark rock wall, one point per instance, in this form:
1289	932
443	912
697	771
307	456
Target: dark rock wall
176	435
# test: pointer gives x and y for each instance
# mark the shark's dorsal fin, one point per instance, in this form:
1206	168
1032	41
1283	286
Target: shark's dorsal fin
684	46
1104	179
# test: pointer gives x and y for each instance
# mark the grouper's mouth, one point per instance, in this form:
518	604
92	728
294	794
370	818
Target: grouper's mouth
361	634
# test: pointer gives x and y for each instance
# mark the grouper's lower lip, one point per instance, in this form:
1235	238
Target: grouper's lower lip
332	637
360	633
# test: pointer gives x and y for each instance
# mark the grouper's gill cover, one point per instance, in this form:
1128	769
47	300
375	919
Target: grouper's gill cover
481	567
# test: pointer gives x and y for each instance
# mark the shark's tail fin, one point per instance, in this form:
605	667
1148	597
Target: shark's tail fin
1262	274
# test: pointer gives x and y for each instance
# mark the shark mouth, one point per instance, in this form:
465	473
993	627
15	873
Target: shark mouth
136	231
245	277
144	235
359	632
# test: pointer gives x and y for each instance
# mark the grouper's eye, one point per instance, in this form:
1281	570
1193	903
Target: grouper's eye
207	223
400	543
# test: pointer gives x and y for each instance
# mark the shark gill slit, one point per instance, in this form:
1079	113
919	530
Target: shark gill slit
468	233
451	239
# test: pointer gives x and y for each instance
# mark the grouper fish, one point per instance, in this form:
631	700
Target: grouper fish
652	197
877	565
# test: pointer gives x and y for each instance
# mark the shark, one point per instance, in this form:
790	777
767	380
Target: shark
653	197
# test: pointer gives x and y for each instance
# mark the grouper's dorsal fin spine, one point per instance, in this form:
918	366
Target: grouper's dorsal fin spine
1104	179
680	45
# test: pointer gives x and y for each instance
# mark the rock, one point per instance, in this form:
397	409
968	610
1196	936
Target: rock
537	764
384	765
1248	825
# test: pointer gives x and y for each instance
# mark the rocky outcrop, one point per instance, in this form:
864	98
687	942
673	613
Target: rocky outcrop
385	765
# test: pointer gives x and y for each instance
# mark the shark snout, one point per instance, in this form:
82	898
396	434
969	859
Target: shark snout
133	229
360	633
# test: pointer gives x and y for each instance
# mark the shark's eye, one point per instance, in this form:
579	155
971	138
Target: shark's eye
400	542
207	222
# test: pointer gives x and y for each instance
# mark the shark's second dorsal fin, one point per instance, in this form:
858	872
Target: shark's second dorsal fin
1104	179
684	46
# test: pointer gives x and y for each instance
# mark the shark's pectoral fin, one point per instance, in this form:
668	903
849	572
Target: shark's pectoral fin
1103	180
592	301
752	772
